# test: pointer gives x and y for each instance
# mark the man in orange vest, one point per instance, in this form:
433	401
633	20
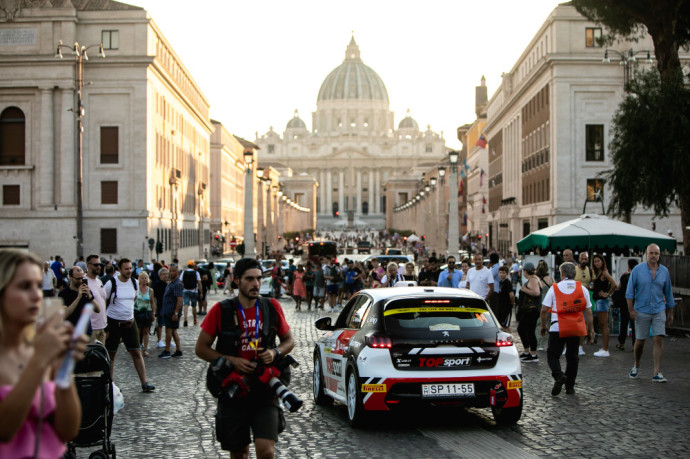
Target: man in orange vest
566	302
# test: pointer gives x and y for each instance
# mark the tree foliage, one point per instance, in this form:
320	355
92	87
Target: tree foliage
649	148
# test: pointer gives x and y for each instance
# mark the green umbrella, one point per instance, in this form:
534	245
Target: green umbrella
595	232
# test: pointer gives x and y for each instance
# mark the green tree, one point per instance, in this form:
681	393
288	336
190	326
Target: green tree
649	145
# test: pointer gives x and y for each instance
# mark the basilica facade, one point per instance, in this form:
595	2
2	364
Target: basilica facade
353	149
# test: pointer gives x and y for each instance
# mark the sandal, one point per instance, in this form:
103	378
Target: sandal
620	347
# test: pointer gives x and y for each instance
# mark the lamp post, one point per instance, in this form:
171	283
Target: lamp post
453	234
80	55
627	59
248	206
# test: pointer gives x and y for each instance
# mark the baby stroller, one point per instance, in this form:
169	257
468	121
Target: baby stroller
95	389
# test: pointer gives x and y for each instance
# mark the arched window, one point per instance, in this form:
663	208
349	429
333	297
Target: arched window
12	137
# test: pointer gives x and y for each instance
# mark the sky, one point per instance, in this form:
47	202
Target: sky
257	61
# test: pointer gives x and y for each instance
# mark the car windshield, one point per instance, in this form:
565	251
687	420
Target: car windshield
449	318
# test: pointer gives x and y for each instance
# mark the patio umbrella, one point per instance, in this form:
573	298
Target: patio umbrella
595	232
412	238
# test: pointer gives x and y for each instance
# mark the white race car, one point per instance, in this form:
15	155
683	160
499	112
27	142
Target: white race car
392	347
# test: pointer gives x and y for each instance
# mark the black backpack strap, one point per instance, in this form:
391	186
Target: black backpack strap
269	330
229	333
113	291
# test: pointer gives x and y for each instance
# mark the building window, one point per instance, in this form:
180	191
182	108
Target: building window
12	141
10	195
110	144
271	148
525	228
595	142
108	240
109	192
110	39
595	189
428	148
542	223
593	37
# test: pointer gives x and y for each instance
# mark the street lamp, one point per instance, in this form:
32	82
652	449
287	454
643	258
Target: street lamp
248	206
453	233
442	173
626	60
432	181
80	55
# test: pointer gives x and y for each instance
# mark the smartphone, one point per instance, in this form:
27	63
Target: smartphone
85	281
51	306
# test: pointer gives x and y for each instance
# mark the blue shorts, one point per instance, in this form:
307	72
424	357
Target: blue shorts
657	322
601	305
189	297
332	289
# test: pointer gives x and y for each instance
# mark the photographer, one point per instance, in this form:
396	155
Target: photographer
76	295
252	345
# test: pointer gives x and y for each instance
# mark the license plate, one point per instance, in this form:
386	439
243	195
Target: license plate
448	390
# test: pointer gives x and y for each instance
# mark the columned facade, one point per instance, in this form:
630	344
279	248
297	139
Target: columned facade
353	147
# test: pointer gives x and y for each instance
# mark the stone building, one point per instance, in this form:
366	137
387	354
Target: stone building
353	148
548	127
146	134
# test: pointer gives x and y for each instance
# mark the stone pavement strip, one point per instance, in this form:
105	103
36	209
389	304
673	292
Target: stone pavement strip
610	416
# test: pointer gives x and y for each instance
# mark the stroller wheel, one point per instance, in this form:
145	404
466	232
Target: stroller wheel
98	455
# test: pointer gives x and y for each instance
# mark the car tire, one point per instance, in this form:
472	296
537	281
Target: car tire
507	416
320	398
353	398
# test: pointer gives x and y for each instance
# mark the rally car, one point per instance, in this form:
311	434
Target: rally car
394	347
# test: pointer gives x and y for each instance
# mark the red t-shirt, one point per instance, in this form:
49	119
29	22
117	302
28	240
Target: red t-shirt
211	325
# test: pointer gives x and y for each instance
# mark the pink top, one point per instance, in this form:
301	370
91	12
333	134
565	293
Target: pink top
23	444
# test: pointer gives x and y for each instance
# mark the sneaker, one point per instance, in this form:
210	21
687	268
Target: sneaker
601	353
531	358
633	372
185	323
523	355
164	355
564	351
581	351
570	390
147	387
172	344
558	385
540	348
177	354
658	378
160	344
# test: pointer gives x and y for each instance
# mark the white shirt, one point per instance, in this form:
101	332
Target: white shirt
398	277
122	304
479	280
48	279
567	287
98	320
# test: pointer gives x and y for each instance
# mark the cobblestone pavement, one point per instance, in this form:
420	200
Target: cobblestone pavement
610	416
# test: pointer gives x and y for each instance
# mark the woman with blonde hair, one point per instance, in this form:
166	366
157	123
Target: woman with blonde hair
144	310
36	416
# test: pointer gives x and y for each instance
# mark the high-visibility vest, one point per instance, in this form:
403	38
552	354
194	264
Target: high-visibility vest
569	307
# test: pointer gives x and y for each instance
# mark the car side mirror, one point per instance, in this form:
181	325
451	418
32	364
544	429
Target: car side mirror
324	323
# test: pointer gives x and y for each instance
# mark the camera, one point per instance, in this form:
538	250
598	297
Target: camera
84	281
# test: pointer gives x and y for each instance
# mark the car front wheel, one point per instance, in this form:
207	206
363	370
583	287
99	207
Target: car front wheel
320	398
355	410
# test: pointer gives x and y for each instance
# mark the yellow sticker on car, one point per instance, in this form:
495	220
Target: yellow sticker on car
373	388
434	309
515	384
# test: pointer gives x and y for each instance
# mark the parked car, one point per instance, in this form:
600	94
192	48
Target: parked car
392	348
400	259
268	264
266	289
364	247
392	251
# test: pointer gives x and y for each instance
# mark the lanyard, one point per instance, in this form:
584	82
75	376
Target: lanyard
257	320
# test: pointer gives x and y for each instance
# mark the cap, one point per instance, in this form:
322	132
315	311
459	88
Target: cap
190	263
529	266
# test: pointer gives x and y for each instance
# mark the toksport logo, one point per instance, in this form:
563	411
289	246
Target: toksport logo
436	362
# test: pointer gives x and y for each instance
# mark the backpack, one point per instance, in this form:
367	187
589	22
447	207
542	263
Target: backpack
113	290
527	301
336	274
350	276
189	280
229	338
